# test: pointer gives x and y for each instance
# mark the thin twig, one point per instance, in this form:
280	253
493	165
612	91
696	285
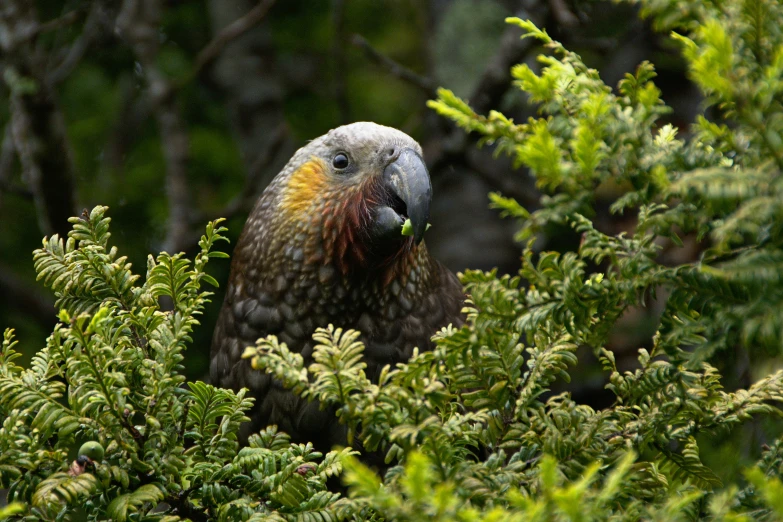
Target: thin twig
394	68
58	23
231	32
77	50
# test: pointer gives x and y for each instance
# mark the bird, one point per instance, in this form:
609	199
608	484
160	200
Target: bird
324	245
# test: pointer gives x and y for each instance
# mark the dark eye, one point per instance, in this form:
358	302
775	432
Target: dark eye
340	161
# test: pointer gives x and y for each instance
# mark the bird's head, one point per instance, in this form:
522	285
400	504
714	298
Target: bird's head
356	186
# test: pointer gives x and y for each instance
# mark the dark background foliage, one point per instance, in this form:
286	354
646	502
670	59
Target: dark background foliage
175	112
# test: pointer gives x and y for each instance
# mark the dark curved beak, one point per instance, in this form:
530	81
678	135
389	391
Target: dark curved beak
408	178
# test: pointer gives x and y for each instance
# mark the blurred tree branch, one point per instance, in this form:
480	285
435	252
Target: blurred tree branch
246	71
37	124
69	18
139	23
6	162
244	201
94	25
392	67
230	32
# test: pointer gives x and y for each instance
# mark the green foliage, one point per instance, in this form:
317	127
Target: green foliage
721	185
475	429
474	423
111	376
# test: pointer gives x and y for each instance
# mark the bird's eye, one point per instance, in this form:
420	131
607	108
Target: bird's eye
340	161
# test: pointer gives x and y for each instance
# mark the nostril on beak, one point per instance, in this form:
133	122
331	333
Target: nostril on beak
391	152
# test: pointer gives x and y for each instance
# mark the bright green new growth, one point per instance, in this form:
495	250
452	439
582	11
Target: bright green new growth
407	228
469	430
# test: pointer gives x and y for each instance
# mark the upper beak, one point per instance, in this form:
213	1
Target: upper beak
408	178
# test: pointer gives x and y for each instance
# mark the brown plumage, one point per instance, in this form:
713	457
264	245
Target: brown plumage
323	245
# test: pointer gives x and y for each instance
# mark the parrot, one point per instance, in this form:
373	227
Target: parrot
323	245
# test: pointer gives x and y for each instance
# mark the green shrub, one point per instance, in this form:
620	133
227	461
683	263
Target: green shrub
470	430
